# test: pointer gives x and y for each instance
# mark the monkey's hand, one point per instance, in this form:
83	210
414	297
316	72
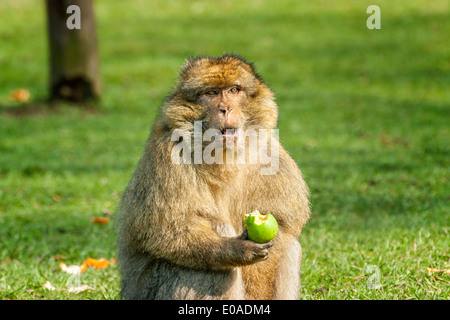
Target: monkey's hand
245	252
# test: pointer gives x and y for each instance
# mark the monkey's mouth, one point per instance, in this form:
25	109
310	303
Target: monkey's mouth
229	132
227	135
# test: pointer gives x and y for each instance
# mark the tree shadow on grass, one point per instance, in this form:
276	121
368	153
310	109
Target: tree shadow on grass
44	107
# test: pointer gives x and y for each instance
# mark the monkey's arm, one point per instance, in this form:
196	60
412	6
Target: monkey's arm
193	243
189	240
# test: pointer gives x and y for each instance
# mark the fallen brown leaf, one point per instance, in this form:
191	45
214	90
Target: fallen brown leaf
73	269
391	141
101	263
78	289
21	95
99	220
358	277
430	270
47	285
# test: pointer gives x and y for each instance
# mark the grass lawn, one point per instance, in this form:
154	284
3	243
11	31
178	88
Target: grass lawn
365	113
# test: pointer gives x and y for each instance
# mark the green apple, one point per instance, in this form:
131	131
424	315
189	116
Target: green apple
260	228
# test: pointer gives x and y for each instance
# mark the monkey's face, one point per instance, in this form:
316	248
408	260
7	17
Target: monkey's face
224	94
223	106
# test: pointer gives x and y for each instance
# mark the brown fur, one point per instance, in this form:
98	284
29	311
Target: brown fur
180	226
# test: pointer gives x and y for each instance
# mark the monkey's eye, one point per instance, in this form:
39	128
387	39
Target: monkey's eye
211	92
234	90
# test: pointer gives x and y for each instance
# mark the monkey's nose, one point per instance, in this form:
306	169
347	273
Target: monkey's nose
225	111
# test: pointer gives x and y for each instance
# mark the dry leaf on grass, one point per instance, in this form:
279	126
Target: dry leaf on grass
101	263
392	141
99	220
73	269
21	95
47	285
435	270
78	289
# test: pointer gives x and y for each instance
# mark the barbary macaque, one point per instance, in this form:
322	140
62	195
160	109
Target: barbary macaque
180	218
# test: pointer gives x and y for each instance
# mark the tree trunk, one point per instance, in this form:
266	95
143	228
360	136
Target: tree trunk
74	70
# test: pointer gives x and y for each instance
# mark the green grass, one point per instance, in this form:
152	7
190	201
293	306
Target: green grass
364	113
